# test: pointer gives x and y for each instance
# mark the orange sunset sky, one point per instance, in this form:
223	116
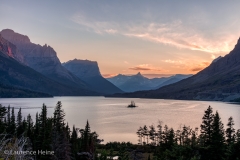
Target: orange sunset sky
155	38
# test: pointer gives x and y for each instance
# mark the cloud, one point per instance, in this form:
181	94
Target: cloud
173	61
173	33
200	67
145	67
111	31
197	69
126	62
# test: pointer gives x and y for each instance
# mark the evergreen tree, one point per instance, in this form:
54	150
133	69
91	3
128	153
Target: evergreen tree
3	112
29	127
60	142
230	132
145	132
59	117
20	128
8	128
217	145
36	139
160	133
140	135
74	142
152	134
206	127
12	123
86	137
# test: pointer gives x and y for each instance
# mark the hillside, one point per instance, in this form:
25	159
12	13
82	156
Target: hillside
13	92
219	81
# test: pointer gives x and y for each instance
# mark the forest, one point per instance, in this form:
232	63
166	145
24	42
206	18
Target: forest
51	138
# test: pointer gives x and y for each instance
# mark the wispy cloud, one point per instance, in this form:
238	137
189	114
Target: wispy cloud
173	33
145	67
173	61
199	67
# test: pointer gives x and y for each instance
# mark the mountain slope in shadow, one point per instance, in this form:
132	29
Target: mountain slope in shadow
89	72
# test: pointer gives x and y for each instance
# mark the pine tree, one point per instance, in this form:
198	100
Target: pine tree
160	133
59	117
20	128
36	139
29	126
217	139
12	123
8	128
3	112
86	137
140	135
230	132
206	127
74	142
60	143
145	132
152	133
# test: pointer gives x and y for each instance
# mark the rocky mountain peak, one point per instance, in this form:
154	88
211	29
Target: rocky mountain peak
237	46
9	49
139	74
14	37
83	68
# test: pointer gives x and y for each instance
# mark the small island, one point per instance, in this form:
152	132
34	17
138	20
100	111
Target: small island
132	105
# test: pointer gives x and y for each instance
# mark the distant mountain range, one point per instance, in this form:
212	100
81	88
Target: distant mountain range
220	81
89	72
139	83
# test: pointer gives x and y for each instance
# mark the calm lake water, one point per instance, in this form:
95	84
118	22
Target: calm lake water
113	121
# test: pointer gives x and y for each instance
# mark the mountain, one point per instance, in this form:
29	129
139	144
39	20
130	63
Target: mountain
17	75
89	72
138	82
13	92
173	79
42	59
219	81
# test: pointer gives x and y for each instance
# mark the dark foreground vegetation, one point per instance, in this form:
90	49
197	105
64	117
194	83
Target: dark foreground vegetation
51	138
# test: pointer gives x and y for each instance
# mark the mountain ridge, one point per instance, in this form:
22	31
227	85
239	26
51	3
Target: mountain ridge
16	74
139	82
220	81
42	59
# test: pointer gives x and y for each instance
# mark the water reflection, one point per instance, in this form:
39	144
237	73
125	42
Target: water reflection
113	121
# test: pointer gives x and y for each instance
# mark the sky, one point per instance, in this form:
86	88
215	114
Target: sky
129	36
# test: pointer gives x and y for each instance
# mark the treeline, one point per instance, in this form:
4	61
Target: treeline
49	137
212	142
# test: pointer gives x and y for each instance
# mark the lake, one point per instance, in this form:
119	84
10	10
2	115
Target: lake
113	121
